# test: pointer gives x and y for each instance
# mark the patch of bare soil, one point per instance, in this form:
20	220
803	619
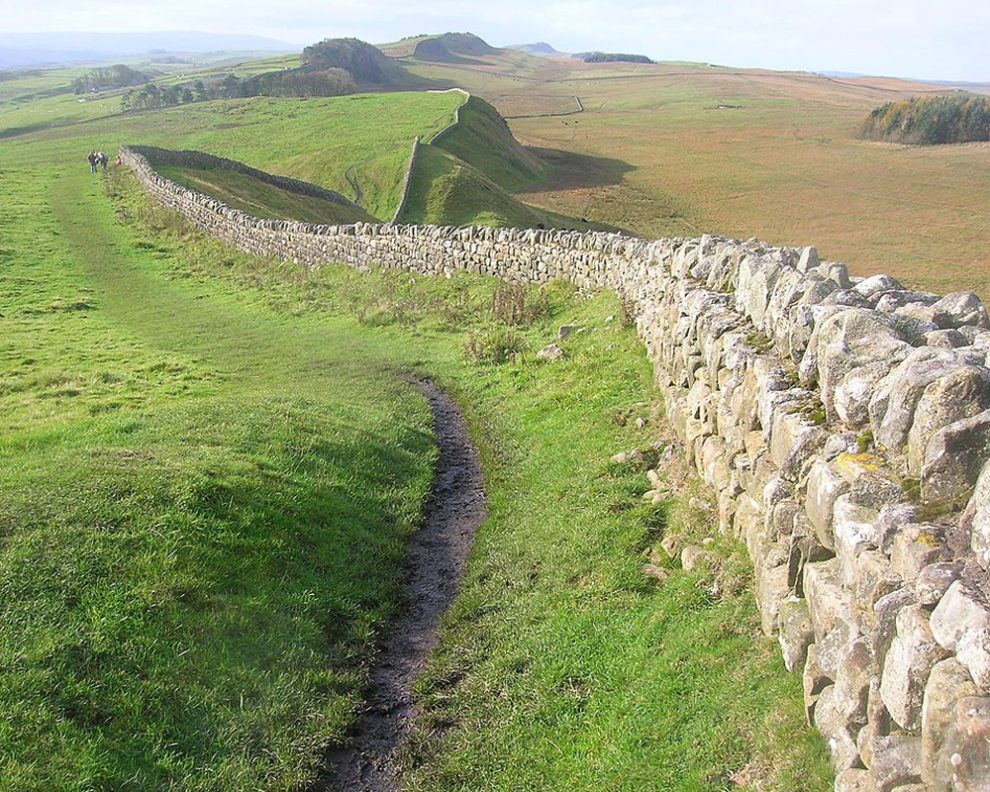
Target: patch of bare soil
437	554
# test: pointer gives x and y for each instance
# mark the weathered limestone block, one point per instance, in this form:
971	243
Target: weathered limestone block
772	591
854	529
832	723
814	682
959	309
907	665
964	763
963	393
954	458
893	405
878	723
794	441
796	632
851	400
961	624
854	780
914	547
828	601
804	548
948	682
946	339
976	518
873	578
852	683
934	580
896	762
825	485
850	340
885	614
871	483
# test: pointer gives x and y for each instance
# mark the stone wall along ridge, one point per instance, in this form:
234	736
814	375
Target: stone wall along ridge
844	425
407	180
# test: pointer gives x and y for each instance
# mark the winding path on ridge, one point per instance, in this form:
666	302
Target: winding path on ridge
437	553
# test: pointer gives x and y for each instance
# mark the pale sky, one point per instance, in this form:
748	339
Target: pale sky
908	38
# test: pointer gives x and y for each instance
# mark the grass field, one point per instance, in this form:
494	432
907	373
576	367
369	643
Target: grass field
210	464
318	141
259	199
654	154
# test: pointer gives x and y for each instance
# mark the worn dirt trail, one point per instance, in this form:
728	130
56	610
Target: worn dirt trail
437	553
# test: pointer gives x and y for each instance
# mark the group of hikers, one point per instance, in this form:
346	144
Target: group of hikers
97	158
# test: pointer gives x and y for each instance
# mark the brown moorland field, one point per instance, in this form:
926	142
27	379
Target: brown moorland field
684	149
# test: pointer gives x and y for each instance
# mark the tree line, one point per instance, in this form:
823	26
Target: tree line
291	83
930	120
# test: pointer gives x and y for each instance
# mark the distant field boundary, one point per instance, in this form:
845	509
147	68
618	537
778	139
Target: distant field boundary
842	424
575	111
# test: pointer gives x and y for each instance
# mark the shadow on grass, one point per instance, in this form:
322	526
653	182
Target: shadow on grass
569	170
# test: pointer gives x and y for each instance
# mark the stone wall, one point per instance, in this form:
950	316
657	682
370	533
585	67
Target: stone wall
844	424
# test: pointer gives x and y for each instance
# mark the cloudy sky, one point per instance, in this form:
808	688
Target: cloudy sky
913	38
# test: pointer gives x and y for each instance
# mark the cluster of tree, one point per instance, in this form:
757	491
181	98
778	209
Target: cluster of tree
366	64
107	78
152	96
299	82
612	57
930	120
291	82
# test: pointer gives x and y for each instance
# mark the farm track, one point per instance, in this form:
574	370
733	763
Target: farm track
437	553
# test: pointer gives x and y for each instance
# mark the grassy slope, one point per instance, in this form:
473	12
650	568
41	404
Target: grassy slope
204	510
202	426
482	139
444	190
655	157
257	198
313	140
560	667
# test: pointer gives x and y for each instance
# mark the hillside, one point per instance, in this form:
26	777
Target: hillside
482	138
461	48
253	191
445	190
366	64
540	49
679	148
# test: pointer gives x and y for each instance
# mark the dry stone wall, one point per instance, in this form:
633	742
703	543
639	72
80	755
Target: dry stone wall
844	424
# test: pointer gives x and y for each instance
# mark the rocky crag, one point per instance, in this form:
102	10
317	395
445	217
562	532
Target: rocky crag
844	424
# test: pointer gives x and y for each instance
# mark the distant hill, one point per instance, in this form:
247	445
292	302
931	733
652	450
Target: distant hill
612	57
26	50
541	49
364	62
442	48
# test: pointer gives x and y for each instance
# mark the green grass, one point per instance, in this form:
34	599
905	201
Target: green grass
205	506
209	468
251	195
315	140
560	666
444	190
482	139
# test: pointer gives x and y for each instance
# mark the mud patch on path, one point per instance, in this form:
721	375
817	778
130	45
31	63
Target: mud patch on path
437	553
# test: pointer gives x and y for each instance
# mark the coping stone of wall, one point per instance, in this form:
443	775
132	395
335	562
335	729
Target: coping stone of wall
844	424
